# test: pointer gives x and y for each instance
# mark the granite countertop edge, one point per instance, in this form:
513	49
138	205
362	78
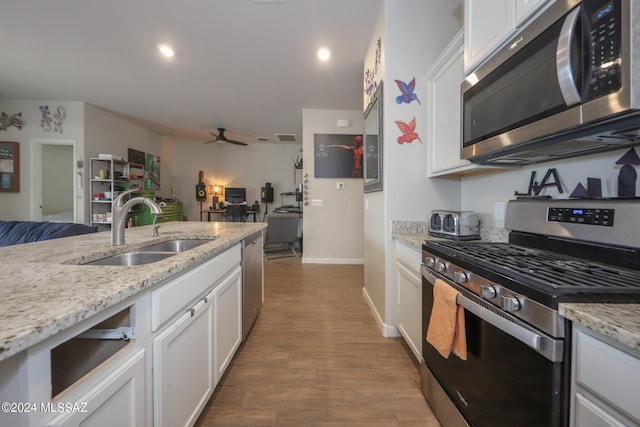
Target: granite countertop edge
620	322
45	289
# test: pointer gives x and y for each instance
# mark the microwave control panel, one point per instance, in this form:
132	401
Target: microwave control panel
604	26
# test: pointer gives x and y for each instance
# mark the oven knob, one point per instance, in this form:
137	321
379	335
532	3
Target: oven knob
460	277
488	291
441	267
430	262
510	303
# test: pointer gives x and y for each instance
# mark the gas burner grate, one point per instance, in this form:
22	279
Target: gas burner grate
544	270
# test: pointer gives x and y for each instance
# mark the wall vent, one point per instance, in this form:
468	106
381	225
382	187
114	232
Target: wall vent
286	137
262	139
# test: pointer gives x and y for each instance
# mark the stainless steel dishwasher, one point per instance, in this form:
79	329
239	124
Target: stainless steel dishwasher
252	279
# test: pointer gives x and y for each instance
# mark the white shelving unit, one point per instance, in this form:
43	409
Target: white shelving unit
107	178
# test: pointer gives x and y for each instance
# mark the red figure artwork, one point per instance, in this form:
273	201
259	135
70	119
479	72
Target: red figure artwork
357	155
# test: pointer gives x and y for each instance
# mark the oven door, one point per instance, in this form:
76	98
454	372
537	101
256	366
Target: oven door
513	376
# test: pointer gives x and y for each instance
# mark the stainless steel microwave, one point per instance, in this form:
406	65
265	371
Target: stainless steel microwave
567	84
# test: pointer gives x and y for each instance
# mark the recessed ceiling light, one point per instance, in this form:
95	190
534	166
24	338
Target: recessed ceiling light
166	50
324	54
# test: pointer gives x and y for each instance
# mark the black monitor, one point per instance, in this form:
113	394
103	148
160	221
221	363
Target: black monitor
235	195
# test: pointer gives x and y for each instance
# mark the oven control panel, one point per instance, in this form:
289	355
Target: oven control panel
590	216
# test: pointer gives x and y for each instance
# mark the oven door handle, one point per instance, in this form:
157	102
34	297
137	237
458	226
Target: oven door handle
544	345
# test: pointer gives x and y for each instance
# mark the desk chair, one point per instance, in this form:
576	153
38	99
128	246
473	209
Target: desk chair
236	213
282	234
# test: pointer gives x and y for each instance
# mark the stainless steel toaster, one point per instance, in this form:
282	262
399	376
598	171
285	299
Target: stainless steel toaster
460	225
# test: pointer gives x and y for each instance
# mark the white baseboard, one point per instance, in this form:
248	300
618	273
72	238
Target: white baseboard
306	260
388	331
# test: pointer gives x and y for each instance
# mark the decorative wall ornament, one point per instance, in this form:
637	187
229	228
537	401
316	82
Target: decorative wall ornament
305	187
13	120
407	95
370	74
409	133
45	122
58	118
628	175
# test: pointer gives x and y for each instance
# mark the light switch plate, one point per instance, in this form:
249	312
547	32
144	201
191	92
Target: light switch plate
340	186
316	202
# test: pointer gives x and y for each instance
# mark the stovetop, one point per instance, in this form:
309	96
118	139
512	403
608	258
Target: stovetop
558	276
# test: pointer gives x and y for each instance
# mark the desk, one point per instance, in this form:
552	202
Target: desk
223	213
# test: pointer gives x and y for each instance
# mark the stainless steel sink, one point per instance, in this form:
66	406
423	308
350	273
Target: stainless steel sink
177	245
133	258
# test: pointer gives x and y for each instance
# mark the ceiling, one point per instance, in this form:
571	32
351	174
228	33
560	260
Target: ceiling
246	65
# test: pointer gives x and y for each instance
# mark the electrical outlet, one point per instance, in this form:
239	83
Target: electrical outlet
498	211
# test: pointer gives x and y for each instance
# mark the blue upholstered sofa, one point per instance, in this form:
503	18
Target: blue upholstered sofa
17	232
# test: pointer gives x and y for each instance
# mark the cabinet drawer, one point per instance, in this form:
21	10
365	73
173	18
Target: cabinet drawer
588	413
409	257
182	291
608	372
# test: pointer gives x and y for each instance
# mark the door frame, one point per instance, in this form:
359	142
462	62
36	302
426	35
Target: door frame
36	176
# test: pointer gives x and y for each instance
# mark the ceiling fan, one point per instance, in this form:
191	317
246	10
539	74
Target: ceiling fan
221	138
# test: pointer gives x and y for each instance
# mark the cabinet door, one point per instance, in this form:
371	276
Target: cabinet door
524	9
487	24
410	308
228	301
118	400
183	362
444	115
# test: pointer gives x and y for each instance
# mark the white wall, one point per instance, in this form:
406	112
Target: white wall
231	165
413	35
333	232
20	206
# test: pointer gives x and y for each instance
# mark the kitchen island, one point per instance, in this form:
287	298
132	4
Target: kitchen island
50	298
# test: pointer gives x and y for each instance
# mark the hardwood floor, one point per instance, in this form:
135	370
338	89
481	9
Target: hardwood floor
315	357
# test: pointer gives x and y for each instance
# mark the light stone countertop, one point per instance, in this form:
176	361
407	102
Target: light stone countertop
44	290
620	322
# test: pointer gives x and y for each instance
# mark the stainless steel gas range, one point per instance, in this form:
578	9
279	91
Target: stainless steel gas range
517	369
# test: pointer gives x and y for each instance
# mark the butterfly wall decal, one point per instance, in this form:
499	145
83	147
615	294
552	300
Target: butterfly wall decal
408	132
407	92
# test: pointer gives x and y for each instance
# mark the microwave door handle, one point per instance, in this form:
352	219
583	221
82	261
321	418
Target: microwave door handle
566	79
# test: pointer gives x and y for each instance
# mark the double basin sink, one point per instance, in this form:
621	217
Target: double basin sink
151	253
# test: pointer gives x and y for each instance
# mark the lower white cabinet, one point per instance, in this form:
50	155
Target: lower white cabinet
228	320
409	297
605	377
183	367
117	400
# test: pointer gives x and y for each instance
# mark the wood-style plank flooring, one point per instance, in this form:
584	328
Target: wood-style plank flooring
316	357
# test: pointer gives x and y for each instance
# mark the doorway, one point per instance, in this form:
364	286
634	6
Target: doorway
54	192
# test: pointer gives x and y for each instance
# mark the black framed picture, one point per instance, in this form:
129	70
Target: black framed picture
337	156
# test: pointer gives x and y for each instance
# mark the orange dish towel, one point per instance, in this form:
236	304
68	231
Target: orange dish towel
446	326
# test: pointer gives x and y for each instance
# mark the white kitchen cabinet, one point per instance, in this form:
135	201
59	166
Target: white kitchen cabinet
524	9
605	376
228	319
409	296
183	366
490	23
117	400
487	24
444	114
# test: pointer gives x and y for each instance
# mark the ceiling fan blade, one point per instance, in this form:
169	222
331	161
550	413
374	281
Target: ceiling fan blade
235	142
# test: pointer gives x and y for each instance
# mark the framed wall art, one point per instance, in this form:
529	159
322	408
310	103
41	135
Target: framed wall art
9	167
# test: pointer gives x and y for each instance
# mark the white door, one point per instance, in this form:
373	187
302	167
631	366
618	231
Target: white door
55	181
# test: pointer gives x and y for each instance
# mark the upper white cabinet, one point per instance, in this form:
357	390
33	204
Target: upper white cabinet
444	114
489	23
524	9
443	111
